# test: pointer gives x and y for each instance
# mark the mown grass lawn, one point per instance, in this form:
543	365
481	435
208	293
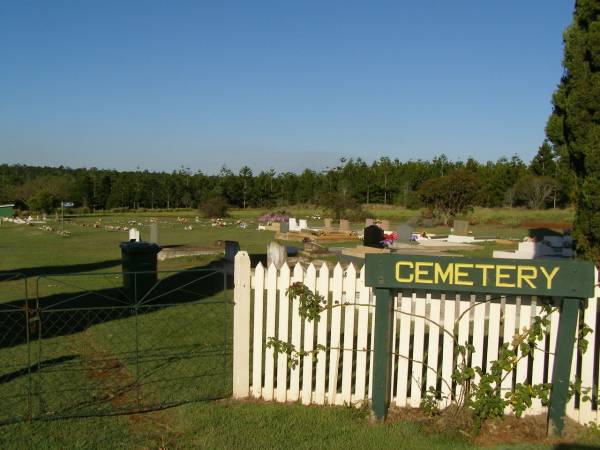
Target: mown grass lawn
83	358
229	424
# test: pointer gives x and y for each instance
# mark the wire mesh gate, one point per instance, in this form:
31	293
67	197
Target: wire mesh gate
113	343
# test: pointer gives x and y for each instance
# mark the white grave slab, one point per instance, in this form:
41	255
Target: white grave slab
134	235
294	224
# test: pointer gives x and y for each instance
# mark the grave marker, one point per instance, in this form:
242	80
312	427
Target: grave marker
461	227
344	225
373	237
404	233
154	233
134	235
276	254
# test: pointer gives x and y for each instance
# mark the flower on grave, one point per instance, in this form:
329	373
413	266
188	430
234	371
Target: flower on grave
273	218
389	238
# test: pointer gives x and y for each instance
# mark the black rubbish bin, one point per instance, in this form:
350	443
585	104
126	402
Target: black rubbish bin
139	268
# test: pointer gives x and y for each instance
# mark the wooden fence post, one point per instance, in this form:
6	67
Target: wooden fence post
561	372
241	325
382	353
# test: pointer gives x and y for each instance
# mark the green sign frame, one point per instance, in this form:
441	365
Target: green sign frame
388	273
542	277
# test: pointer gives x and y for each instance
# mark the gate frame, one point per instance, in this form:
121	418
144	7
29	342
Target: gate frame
574	284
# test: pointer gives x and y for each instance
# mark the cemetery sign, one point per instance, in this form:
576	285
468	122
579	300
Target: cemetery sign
561	278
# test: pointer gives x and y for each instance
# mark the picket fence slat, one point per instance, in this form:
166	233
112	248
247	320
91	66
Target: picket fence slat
433	345
282	358
270	331
587	363
478	332
418	344
403	350
448	348
524	323
257	361
510	315
494	318
336	321
372	343
425	332
349	309
323	290
309	333
464	310
362	337
294	392
537	375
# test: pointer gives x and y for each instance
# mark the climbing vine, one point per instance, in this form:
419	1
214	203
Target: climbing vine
478	391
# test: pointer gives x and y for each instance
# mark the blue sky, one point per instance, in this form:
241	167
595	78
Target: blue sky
282	84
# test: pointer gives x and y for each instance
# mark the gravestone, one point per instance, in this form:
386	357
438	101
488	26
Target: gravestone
344	225
315	249
385	225
276	254
134	235
404	233
373	237
154	233
328	224
461	228
231	249
284	227
294	224
369	222
303	224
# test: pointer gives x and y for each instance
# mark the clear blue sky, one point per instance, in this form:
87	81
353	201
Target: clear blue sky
282	84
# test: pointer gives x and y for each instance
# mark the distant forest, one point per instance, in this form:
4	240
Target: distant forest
542	183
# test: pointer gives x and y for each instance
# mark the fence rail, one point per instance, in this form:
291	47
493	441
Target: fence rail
427	328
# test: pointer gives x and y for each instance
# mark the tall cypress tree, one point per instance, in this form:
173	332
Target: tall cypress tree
574	126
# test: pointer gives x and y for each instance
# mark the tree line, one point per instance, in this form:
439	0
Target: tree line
542	183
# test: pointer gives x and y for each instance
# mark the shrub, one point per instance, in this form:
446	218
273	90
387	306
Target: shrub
450	195
342	206
42	201
216	206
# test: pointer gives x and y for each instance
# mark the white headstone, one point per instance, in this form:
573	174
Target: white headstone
134	235
276	254
303	224
294	224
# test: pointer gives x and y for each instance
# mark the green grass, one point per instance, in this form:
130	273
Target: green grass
230	424
185	336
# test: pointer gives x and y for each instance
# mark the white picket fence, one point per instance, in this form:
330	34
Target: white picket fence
426	329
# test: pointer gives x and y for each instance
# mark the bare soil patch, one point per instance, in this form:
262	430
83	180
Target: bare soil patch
505	430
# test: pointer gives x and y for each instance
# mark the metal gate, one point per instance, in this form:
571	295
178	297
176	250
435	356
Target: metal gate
114	343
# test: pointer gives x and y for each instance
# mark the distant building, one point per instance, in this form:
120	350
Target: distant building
7	210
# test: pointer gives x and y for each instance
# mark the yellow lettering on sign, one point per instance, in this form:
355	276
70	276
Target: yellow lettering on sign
485	268
443	275
458	275
522	276
503	276
420	272
549	276
399	265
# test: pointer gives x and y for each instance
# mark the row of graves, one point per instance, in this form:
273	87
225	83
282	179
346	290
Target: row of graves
378	237
375	237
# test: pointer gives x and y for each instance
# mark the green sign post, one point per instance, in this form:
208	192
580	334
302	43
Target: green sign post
572	281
